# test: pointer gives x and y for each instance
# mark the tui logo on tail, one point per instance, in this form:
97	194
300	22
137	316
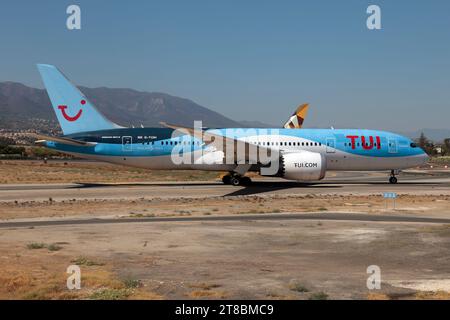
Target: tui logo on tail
69	118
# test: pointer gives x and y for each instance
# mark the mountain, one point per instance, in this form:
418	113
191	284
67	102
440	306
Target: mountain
22	107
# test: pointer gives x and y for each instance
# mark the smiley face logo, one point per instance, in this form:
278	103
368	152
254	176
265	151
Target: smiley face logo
75	117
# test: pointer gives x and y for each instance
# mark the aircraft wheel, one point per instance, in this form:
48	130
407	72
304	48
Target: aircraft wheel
393	180
235	181
226	179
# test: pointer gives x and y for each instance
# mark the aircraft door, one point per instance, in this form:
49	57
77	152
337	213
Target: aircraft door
127	143
392	145
331	145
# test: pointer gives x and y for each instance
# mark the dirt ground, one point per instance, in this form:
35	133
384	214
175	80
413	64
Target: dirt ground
55	171
295	259
406	204
227	260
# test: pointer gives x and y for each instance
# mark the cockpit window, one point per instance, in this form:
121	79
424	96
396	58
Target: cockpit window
413	145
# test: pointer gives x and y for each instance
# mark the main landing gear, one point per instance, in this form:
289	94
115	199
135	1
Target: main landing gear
392	178
236	179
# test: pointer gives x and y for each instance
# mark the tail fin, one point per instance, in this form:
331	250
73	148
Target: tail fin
74	112
296	120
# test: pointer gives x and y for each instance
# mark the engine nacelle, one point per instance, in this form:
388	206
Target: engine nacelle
303	166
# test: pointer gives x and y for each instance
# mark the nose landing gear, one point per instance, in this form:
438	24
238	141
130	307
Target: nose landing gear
392	178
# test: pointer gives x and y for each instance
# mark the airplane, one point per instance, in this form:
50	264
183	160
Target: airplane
297	118
300	154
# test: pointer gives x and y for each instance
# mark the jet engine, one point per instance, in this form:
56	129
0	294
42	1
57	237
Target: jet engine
302	166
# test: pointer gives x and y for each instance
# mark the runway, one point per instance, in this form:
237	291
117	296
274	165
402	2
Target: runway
341	183
246	217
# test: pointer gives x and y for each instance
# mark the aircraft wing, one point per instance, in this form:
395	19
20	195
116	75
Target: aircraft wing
251	151
296	120
43	138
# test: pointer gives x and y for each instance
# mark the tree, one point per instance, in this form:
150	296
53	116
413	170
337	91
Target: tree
446	147
4	141
425	144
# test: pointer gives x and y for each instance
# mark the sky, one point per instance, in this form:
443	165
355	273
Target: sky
248	60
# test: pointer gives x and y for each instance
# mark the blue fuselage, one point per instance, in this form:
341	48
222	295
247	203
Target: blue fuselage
344	149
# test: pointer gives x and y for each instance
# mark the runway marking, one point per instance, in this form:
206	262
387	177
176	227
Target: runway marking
282	216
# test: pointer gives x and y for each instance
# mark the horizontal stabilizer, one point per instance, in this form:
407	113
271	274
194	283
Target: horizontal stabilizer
43	138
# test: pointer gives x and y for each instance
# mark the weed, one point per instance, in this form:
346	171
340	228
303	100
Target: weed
110	294
53	247
83	261
297	286
36	245
319	296
132	283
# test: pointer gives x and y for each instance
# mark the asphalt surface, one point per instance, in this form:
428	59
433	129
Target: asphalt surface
342	183
247	217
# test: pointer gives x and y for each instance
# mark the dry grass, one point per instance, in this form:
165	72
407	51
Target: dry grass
297	286
29	275
196	294
204	290
438	295
377	296
31	171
